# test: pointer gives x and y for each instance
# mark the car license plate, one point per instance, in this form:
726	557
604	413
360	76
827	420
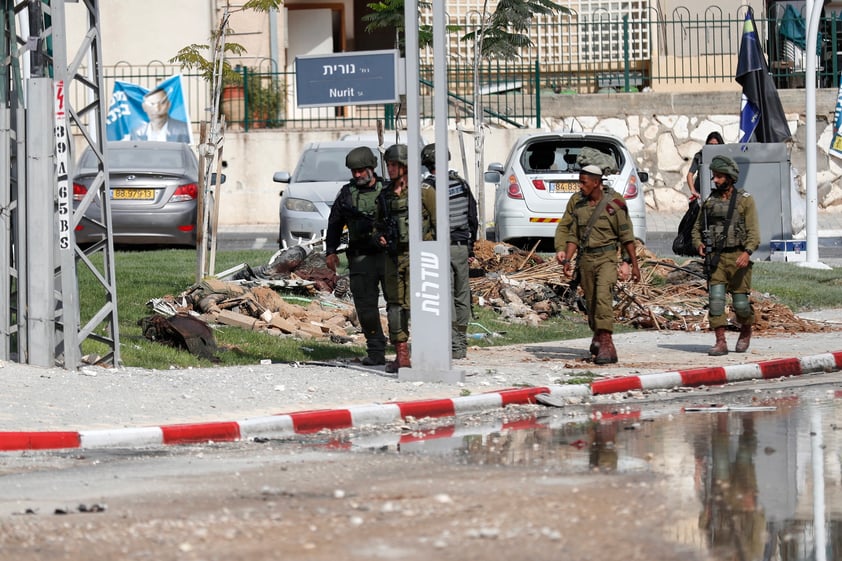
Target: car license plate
563	186
132	194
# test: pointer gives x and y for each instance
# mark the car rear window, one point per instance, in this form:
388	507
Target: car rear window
139	159
562	156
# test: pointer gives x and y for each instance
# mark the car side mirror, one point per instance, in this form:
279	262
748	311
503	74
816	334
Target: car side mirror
281	177
494	173
643	175
491	176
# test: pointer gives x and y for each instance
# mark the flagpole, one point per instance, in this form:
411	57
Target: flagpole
810	148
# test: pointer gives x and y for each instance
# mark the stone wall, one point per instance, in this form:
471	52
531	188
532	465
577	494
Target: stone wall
664	131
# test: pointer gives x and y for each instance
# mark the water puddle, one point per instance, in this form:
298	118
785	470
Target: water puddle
752	483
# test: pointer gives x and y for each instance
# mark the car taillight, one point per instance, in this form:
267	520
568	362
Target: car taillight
631	189
186	192
79	191
514	189
539	184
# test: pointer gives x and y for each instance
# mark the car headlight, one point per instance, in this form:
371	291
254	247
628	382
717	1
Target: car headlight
299	205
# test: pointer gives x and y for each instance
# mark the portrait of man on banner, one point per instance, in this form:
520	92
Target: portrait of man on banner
136	113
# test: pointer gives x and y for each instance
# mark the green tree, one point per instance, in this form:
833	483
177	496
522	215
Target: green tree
503	34
216	68
217	71
389	14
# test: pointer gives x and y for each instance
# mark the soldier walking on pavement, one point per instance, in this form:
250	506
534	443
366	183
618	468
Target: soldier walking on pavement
595	221
726	233
462	210
356	207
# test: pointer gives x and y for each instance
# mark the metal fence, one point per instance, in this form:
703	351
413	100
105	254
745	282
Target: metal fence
610	53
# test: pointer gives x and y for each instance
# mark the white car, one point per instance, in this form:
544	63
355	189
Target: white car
540	175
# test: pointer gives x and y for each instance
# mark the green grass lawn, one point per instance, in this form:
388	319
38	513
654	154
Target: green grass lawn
144	275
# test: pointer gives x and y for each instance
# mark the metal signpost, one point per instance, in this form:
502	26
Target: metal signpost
429	261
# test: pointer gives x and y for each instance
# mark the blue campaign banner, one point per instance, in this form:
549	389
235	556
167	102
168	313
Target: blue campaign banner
136	113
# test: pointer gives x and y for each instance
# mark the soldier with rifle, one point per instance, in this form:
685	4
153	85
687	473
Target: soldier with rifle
595	225
726	233
356	206
393	235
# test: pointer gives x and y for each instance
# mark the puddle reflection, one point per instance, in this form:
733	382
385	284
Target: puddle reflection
741	481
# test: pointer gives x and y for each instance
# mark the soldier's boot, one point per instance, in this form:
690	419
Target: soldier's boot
594	349
721	346
401	358
459	342
373	360
607	353
745	338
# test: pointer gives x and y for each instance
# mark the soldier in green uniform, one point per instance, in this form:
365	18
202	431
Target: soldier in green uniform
394	226
356	206
595	225
728	223
463	219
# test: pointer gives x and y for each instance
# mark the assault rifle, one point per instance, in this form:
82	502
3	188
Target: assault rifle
572	298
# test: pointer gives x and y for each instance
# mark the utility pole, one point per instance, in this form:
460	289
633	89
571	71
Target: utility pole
41	320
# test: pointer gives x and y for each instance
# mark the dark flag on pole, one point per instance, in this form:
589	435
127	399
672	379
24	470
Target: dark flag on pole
762	116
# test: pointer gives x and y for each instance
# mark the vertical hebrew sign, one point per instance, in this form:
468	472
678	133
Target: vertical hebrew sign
355	78
64	210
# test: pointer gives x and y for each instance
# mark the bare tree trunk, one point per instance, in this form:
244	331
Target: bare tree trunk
479	128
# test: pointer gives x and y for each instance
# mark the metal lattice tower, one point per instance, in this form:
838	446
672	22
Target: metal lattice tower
42	319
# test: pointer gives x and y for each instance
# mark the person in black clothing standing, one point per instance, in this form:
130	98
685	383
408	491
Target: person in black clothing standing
693	174
357	207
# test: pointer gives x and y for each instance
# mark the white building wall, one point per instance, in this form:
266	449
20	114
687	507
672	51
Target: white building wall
138	32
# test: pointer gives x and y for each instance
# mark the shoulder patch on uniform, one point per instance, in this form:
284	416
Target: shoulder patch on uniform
610	210
746	194
621	203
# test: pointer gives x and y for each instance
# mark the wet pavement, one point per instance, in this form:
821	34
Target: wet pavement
753	478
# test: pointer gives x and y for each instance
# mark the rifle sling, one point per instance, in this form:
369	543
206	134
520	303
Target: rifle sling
597	211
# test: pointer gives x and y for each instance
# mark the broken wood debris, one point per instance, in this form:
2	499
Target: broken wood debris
522	287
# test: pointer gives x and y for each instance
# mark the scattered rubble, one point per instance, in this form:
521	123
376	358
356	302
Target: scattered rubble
521	286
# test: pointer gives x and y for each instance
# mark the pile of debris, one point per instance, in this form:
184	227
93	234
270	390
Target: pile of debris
316	302
522	287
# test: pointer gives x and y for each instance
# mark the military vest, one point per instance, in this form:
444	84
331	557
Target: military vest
458	196
717	214
399	211
361	223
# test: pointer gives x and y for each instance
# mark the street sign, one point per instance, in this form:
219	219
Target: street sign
355	78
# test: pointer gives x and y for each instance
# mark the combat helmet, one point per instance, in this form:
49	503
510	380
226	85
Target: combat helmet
725	166
397	153
359	158
428	156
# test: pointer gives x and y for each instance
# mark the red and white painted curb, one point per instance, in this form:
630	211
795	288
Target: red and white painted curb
308	422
